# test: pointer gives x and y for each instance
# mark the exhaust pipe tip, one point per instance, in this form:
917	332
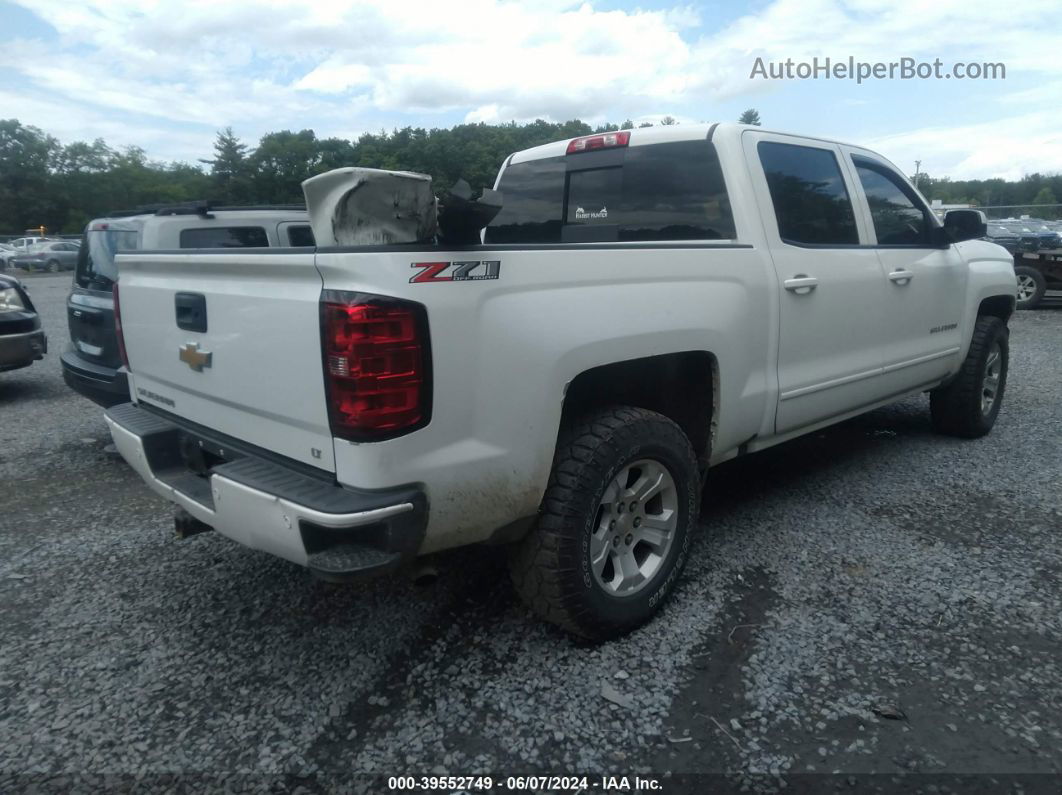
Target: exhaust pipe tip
423	573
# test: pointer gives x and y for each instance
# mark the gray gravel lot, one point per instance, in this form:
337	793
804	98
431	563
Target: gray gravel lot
873	565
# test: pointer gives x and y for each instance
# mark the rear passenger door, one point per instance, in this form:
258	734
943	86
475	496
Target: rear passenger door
925	279
831	286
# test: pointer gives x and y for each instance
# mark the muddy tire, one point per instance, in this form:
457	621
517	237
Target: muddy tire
969	404
615	526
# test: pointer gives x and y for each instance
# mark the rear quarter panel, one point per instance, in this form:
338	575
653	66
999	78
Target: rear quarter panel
504	351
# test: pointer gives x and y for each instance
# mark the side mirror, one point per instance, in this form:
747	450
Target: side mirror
965	225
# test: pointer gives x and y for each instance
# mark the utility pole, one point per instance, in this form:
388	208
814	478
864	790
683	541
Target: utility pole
918	171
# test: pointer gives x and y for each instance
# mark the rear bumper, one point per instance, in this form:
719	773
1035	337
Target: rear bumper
19	350
265	504
103	385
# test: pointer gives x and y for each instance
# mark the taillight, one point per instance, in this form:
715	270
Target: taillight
118	327
377	364
605	141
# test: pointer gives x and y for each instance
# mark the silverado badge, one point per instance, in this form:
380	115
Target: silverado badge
190	354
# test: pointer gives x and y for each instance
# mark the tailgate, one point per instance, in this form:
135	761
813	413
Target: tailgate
250	368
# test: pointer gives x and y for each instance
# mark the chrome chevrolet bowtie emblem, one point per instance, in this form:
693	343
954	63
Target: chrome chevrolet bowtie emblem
190	354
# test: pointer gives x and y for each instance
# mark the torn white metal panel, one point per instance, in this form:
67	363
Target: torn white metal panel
370	206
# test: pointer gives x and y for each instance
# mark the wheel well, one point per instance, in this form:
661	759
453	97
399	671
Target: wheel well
1001	306
681	386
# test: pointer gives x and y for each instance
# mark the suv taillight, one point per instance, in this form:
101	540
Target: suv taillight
118	327
377	364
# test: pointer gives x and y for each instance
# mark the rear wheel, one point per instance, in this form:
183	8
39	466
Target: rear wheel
1031	286
615	526
969	404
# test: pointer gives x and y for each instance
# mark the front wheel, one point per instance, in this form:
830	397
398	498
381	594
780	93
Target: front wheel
53	266
1031	286
614	530
969	404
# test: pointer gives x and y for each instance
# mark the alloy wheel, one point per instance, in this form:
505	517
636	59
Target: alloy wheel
635	528
990	382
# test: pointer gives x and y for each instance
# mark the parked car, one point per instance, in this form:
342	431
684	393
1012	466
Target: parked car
647	303
24	243
91	364
1002	236
1030	241
22	340
1026	231
1049	238
8	251
51	256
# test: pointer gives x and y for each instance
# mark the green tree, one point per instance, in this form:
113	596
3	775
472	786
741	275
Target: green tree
27	195
1046	196
229	168
64	186
750	116
280	164
667	121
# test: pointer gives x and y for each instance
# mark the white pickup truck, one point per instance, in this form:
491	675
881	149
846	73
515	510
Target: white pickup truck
646	304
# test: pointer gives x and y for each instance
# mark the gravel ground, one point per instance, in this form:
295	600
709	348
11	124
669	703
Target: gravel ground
870	567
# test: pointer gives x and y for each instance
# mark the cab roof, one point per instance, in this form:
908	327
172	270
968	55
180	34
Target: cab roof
642	136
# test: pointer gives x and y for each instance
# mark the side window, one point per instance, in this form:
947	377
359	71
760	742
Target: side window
300	235
532	201
810	199
899	220
224	237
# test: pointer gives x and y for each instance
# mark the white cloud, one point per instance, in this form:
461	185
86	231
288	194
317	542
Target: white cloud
1008	148
335	78
73	122
341	64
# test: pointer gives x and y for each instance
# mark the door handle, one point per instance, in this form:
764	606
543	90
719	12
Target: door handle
901	277
801	284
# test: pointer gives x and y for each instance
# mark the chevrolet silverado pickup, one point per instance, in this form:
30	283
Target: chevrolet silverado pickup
645	305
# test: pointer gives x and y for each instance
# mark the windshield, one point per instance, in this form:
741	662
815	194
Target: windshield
998	230
95	259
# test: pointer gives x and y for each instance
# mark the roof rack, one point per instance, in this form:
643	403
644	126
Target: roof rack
259	207
202	208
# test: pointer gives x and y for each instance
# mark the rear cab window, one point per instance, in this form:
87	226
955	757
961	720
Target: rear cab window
95	267
668	191
224	237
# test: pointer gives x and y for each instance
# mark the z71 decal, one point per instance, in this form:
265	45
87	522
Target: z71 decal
469	271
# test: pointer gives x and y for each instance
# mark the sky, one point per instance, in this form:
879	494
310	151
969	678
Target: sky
166	75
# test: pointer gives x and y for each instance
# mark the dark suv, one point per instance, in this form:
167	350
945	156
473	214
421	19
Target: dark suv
22	341
92	363
1003	237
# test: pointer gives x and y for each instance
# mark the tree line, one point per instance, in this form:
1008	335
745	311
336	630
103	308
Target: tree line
63	186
